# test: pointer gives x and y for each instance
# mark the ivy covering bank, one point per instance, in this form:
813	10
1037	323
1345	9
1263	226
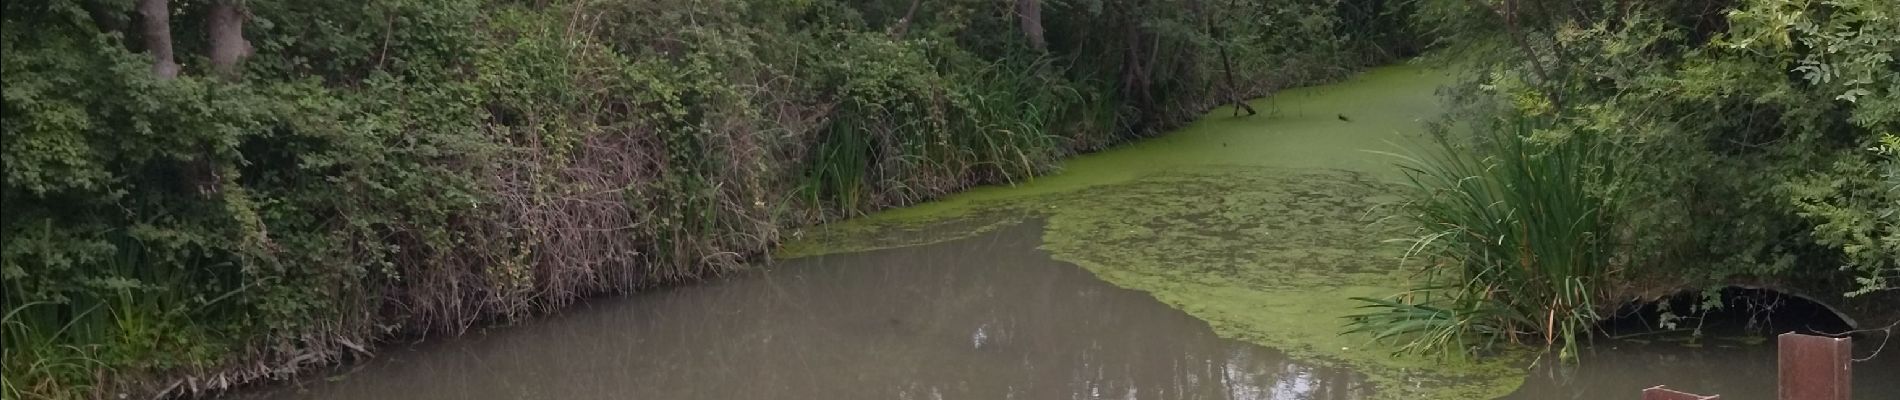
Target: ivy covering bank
201	193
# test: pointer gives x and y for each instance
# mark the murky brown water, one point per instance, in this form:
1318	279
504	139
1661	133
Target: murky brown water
1735	357
989	317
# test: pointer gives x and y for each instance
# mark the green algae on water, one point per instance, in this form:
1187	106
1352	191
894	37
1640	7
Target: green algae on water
1299	130
884	233
1270	256
1263	227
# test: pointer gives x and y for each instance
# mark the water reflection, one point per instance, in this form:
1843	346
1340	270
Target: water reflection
988	317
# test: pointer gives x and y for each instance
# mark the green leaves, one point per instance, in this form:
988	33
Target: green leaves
1844	49
1844	45
1856	203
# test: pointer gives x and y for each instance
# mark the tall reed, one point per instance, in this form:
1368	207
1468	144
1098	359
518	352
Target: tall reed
1515	235
40	362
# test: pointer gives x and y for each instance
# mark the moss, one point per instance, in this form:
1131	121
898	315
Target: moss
890	232
1264	227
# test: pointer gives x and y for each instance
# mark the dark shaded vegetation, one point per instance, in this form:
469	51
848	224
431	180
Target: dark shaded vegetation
1745	312
1633	149
202	193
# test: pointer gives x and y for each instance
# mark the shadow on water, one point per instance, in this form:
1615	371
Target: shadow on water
987	317
1735	355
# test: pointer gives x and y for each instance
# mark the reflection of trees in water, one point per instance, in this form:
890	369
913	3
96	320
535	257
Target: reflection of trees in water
986	317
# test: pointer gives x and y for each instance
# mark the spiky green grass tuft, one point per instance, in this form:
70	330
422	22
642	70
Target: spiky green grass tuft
1516	237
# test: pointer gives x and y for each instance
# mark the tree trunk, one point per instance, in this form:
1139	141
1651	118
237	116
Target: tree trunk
1219	40
156	17
1509	11
1134	79
897	31
1029	13
1233	95
228	47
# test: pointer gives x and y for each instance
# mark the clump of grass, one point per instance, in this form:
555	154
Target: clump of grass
137	317
1516	237
40	364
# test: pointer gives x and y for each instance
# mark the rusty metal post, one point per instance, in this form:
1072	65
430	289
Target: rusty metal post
1662	393
1815	367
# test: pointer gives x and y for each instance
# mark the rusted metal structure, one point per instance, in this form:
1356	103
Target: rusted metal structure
1815	367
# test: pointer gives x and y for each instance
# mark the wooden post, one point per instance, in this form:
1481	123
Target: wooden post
1662	393
1815	367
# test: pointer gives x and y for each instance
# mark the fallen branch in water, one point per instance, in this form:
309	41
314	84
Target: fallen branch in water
1886	335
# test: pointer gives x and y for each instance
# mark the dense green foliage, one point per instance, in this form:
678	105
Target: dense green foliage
412	166
1751	142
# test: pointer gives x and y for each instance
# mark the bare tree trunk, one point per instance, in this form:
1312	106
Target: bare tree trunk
1227	63
1029	13
1134	79
1233	95
1509	10
228	47
897	31
156	17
